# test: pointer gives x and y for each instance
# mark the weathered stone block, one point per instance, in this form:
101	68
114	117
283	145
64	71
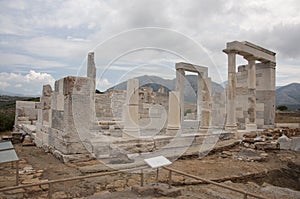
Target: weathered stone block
47	90
79	112
250	135
58	120
46	116
295	144
266	145
24	122
38	141
57	101
284	142
67	147
25	104
58	86
38	105
78	85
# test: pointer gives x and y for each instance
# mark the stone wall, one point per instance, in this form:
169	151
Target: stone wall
69	112
25	120
44	117
103	106
265	95
218	112
109	104
26	112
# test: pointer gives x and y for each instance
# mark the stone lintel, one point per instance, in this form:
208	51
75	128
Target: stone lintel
248	49
265	65
192	68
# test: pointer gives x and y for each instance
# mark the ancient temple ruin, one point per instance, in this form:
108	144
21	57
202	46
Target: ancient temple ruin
251	90
75	123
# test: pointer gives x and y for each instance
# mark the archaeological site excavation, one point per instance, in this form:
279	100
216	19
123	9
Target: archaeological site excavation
141	139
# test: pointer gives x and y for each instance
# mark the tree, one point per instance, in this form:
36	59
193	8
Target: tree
6	121
282	107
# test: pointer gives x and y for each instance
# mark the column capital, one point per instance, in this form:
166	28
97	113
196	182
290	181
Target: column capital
272	64
250	58
227	51
180	69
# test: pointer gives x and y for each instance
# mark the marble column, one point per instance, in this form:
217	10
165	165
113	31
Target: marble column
231	93
91	67
206	104
199	95
251	94
131	110
180	77
91	73
174	111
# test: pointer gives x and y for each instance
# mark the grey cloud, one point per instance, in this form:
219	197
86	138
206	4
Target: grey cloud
282	38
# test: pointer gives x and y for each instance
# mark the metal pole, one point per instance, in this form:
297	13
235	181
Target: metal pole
157	176
50	190
170	179
216	183
17	172
142	178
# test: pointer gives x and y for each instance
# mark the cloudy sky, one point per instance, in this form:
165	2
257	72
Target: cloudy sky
42	41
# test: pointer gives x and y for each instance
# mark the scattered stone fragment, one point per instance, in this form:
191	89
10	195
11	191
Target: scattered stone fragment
225	154
99	194
284	142
27	141
267	145
143	190
30	181
250	155
250	135
116	185
280	192
246	144
164	190
27	168
159	190
295	144
34	189
59	195
15	191
250	140
259	139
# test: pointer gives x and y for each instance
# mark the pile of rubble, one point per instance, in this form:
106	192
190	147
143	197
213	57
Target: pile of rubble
27	175
273	139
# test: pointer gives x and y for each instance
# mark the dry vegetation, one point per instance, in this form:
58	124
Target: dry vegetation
287	117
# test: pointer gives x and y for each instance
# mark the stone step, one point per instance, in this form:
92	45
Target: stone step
109	148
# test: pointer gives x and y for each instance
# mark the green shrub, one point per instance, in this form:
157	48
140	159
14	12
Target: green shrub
282	107
6	121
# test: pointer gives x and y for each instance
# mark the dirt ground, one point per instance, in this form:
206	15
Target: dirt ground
278	168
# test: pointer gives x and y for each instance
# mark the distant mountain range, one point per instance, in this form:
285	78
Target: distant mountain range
10	93
288	95
155	82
